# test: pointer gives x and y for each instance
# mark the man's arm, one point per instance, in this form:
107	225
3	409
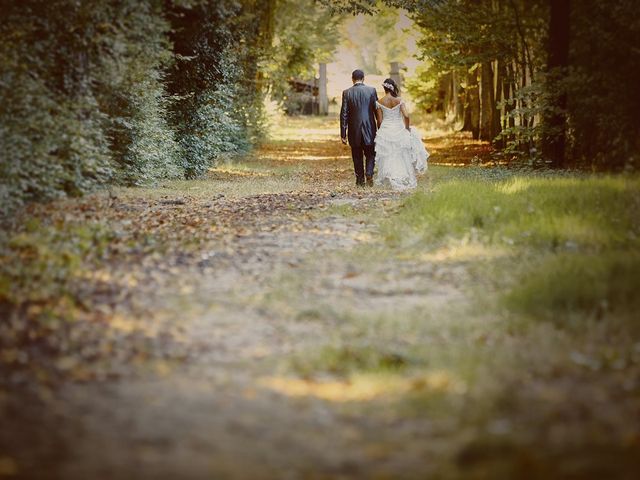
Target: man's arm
344	117
377	112
379	116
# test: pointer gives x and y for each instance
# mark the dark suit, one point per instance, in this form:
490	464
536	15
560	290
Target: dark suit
358	124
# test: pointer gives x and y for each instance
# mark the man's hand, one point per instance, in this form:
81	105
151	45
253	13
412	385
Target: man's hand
344	140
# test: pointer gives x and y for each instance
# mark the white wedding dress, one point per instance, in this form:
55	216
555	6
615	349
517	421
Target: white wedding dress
400	153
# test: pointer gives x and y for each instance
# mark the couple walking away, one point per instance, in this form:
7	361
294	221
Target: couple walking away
379	130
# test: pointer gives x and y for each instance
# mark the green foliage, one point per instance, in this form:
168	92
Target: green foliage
423	86
519	138
90	112
219	105
50	126
131	93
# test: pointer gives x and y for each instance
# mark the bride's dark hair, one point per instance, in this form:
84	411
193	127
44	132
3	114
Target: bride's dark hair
390	86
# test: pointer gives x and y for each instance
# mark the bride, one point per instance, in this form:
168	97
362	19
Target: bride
400	152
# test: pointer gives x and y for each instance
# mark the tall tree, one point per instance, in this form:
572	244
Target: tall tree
555	121
488	111
472	104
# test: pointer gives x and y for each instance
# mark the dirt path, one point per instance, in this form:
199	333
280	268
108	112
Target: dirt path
284	276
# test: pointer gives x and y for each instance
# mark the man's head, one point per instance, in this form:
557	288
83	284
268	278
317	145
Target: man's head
357	76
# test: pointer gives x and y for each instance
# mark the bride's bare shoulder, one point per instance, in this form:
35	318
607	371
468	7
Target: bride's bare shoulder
390	102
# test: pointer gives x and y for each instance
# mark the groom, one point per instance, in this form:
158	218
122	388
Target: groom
358	118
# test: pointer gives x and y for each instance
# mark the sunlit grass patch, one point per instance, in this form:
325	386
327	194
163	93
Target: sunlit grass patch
209	189
367	387
550	213
460	252
287	128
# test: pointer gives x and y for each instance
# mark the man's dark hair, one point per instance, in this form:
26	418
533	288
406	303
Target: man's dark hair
357	75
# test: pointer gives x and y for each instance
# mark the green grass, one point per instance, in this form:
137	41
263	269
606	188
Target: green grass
572	241
549	213
581	283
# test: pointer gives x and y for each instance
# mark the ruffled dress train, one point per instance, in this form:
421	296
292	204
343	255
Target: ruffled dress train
400	153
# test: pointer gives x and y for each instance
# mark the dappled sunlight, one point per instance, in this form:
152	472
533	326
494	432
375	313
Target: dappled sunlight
317	157
366	387
458	149
226	172
306	129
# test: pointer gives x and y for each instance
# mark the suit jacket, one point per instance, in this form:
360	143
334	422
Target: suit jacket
358	115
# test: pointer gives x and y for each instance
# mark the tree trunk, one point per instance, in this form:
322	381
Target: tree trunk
509	93
473	97
447	99
487	102
472	105
498	112
460	109
466	124
454	93
555	121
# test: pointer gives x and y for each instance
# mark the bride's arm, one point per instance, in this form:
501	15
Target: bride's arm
405	114
379	116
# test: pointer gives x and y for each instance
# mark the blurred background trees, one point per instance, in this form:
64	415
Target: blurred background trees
552	81
304	35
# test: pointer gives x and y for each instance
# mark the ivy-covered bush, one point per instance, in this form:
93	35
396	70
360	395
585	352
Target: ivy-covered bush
124	91
214	77
133	96
51	132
